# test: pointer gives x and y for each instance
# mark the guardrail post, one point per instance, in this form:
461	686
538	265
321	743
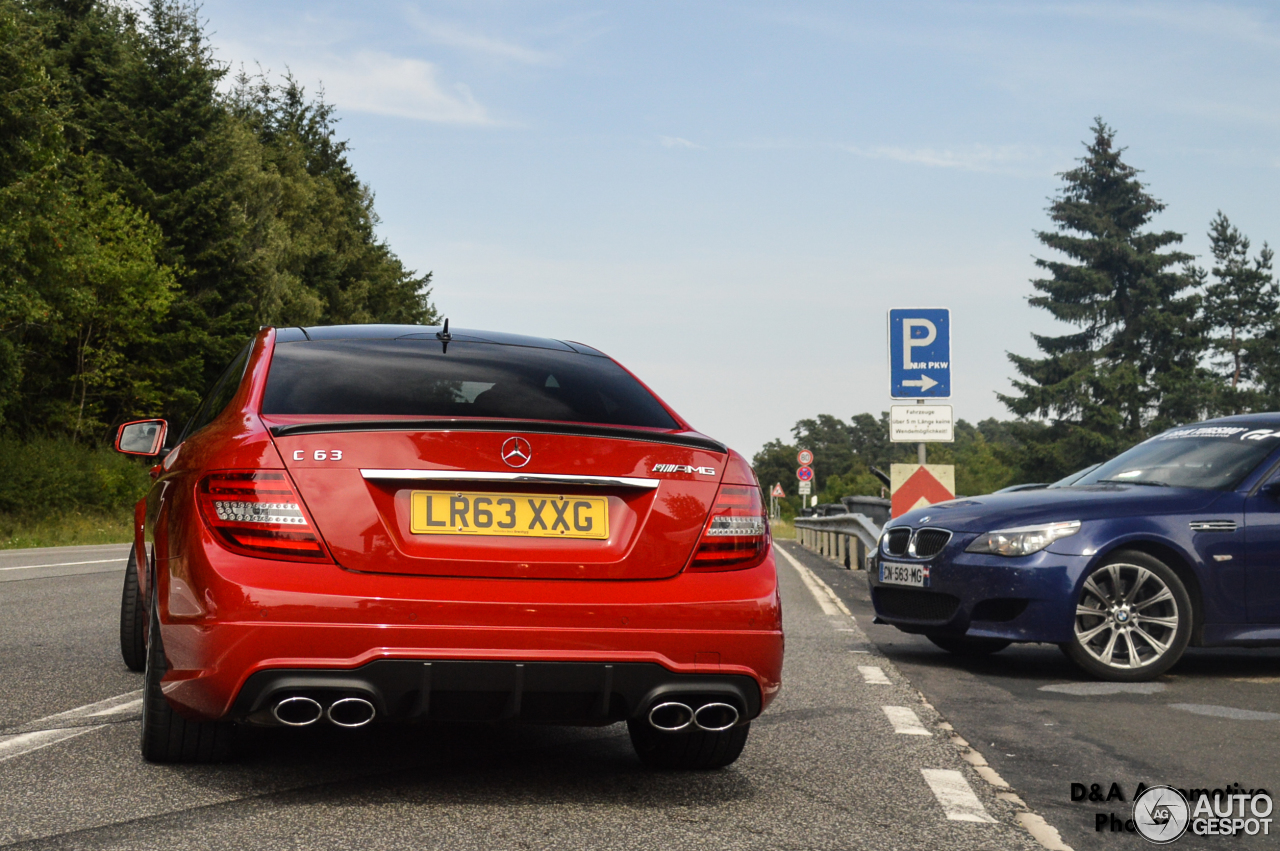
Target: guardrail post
842	547
860	555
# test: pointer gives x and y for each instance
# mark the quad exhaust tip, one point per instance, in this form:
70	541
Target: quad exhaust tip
670	717
673	716
716	717
297	711
350	712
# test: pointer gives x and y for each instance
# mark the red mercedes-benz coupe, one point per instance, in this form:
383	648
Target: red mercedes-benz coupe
375	523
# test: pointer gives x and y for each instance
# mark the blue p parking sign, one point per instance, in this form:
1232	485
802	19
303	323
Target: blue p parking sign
920	352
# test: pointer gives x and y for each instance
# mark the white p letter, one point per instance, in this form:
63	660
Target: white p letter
931	334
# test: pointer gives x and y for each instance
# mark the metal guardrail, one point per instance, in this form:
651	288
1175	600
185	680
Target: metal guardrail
844	538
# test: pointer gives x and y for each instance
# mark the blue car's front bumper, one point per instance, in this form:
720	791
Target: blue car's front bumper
1030	598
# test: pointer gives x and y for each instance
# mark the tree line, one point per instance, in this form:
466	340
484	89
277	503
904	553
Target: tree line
155	210
1158	339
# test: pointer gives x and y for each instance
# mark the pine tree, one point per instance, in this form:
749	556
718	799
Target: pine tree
247	203
1240	305
1133	365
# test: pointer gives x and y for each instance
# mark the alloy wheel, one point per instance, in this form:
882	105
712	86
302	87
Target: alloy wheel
1127	616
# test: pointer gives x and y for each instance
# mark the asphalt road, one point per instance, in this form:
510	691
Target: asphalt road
1213	720
849	756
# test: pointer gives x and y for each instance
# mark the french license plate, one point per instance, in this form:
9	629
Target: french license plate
516	515
904	574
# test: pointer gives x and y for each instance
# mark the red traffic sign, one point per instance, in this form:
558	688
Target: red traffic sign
777	491
805	457
920	488
805	474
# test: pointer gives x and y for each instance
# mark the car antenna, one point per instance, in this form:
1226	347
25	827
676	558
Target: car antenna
444	337
304	332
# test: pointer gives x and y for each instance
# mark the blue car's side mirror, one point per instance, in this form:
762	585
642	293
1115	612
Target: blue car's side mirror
1272	488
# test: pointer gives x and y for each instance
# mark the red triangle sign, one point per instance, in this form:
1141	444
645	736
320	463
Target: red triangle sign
921	488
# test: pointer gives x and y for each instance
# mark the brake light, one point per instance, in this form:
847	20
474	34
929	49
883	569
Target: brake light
258	513
737	532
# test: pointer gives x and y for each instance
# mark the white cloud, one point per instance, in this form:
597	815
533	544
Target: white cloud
451	35
390	85
975	158
677	142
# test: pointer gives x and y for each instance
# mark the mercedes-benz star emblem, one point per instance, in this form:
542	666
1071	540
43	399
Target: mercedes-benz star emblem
516	451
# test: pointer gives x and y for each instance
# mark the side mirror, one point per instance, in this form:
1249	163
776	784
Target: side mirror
1272	488
142	437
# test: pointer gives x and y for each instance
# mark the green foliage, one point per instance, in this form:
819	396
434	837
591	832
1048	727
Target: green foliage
45	477
150	222
1241	305
1134	364
986	457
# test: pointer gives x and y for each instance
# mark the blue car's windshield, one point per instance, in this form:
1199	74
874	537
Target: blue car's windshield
1210	457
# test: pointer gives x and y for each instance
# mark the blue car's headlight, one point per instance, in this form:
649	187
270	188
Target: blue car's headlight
1022	541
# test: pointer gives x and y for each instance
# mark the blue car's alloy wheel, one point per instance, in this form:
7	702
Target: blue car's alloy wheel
1132	620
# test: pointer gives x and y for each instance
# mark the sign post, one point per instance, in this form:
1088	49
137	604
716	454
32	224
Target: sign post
775	495
920	369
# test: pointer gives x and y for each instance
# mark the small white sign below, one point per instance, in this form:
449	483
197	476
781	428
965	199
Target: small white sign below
806	488
921	424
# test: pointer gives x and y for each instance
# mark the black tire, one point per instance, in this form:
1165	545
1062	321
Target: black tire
133	618
689	749
969	645
1140	599
166	735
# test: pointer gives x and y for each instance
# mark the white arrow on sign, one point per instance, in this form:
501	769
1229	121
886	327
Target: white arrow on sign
924	383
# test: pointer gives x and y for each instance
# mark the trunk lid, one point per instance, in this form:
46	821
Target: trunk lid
651	491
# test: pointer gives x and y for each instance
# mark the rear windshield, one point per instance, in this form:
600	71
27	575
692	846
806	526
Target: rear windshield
1211	457
415	378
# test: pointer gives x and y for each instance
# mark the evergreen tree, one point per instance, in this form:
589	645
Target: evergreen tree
1133	365
1240	305
149	223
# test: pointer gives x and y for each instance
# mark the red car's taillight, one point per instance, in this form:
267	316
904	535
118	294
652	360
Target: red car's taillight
737	532
257	512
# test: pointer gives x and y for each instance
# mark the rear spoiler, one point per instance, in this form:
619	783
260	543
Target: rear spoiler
691	441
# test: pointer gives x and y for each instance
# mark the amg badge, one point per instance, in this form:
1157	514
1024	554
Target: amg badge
683	468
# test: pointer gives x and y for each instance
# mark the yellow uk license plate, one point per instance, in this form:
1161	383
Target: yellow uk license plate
518	515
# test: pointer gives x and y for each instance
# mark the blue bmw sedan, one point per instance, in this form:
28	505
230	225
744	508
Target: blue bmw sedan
1174	542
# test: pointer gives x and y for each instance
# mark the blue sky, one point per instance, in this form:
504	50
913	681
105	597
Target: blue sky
728	197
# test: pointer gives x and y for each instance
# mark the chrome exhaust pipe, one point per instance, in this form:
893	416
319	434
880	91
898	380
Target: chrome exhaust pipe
350	712
670	717
715	717
297	711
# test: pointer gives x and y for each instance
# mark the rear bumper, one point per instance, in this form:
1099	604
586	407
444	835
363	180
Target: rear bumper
582	693
226	619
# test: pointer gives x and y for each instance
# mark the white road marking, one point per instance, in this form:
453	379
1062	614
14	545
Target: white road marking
109	706
1040	830
131	706
67	563
955	795
873	675
905	721
11	746
827	599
